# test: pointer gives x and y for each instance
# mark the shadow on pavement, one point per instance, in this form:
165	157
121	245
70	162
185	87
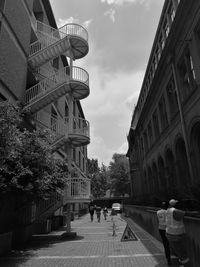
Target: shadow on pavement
21	254
152	248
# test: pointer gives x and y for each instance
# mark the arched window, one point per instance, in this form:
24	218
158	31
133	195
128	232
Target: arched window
172	182
182	163
195	147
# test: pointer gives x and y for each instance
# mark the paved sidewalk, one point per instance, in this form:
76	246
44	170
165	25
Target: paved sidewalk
95	246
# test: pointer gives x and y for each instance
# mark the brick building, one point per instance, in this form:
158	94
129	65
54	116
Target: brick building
37	69
164	137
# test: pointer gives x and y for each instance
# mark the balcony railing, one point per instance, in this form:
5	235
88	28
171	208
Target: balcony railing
57	128
57	85
78	126
79	130
46	85
71	38
74	130
78	189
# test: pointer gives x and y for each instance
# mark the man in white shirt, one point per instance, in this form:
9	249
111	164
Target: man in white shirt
175	232
161	214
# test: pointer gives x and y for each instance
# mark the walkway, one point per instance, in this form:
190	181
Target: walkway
95	246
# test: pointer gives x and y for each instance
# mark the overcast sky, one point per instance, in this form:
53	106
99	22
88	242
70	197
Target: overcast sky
121	34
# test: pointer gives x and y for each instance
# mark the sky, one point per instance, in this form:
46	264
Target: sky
121	34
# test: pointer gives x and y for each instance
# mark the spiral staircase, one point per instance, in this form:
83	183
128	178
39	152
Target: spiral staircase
70	40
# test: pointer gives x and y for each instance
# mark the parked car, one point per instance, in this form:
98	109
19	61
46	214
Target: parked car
117	207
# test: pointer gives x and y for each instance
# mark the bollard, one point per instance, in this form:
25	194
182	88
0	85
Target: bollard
114	229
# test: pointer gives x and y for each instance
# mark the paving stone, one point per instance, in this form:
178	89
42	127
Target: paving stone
94	246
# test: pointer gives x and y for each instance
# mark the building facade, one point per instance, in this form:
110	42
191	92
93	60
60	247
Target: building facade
164	137
37	69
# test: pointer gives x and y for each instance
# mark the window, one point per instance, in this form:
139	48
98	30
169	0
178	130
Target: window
151	74
79	121
74	154
187	75
54	120
55	63
79	159
66	110
74	108
171	12
142	147
191	68
166	28
158	53
155	64
146	145
156	125
163	113
172	97
83	164
150	135
2	98
162	41
2	3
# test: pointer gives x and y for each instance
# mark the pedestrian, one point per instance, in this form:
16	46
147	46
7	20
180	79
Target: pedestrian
161	215
98	213
105	212
175	232
91	211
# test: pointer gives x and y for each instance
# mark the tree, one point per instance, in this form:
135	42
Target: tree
98	178
119	175
27	167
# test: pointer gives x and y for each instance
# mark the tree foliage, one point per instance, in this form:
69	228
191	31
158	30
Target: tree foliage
119	175
99	178
27	165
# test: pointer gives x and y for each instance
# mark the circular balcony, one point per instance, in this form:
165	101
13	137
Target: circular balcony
59	83
69	40
78	37
79	83
78	131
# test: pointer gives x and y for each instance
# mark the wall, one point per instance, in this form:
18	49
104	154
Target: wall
146	218
14	46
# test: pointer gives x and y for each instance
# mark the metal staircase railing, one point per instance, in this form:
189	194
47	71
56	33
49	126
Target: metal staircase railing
78	188
61	76
78	126
46	85
55	125
48	35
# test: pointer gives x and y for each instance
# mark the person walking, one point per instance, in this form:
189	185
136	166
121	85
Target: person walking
98	213
161	215
91	211
105	212
175	232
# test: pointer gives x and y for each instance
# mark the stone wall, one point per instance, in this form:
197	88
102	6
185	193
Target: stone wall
5	242
147	219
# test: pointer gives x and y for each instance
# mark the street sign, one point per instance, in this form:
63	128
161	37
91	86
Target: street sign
128	235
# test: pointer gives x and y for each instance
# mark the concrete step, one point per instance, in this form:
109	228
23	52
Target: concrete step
55	235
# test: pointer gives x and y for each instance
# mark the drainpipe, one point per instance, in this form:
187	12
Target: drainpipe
68	191
174	70
68	148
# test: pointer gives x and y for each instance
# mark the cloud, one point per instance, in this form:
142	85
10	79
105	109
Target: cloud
87	23
109	110
62	22
121	2
98	149
120	38
111	14
123	148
